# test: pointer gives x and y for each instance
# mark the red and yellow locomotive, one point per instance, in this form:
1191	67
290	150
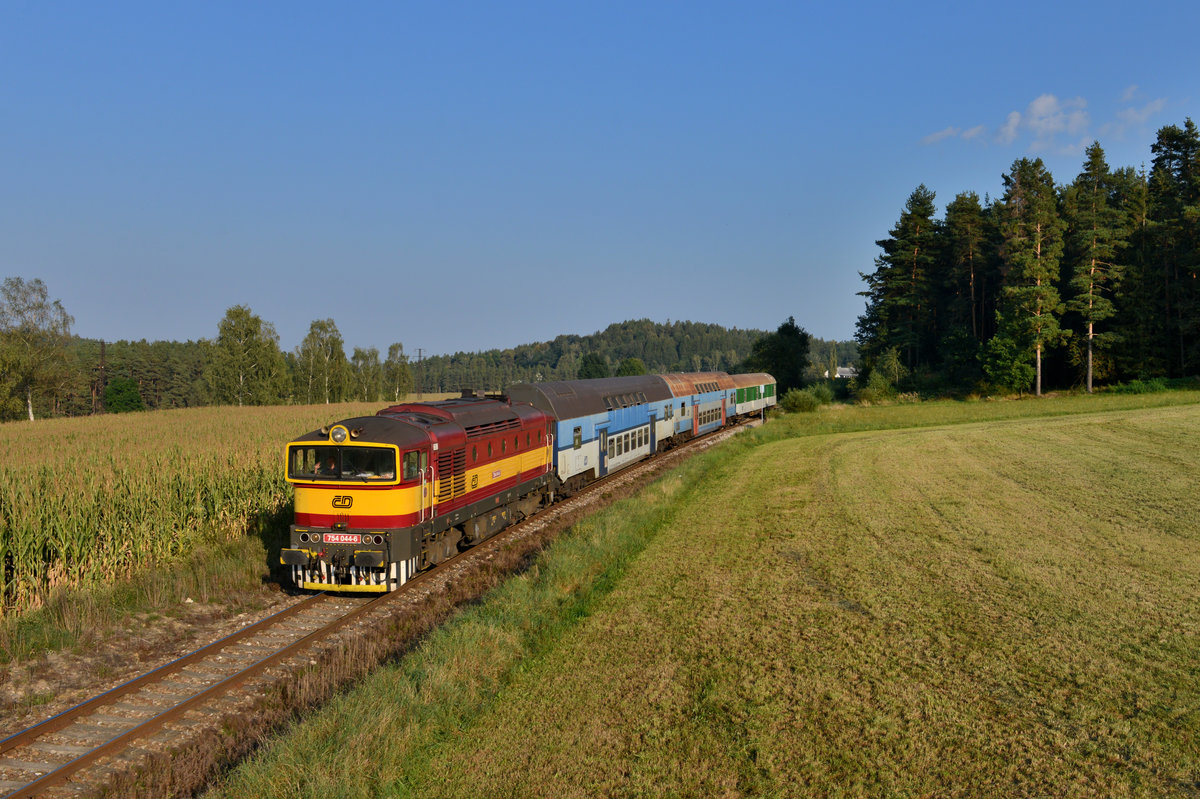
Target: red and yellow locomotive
378	498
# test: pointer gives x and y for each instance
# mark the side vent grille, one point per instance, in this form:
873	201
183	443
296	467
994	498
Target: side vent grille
487	429
452	475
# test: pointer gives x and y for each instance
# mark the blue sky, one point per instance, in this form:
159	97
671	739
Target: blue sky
469	175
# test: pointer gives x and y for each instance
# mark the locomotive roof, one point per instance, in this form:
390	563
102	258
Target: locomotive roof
473	416
449	422
467	411
568	399
373	430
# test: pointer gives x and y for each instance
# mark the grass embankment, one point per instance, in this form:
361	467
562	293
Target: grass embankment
990	609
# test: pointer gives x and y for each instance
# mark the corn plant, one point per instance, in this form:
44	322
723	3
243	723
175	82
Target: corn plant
91	500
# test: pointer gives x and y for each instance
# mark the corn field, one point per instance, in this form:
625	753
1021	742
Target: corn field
88	501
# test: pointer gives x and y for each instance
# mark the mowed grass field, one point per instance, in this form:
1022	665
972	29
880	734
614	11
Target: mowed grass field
1007	608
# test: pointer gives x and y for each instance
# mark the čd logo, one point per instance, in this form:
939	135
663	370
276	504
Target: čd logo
343	502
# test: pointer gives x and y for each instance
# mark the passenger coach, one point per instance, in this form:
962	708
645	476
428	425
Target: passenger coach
602	425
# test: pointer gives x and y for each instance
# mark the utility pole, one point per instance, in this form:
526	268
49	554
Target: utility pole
420	375
99	385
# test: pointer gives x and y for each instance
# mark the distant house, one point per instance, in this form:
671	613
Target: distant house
844	372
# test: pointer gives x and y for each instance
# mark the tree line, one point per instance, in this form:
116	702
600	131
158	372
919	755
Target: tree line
45	371
1089	282
658	347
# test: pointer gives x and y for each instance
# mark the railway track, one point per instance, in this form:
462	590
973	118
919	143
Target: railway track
52	753
76	751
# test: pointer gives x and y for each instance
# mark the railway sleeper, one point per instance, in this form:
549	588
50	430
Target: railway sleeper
38	767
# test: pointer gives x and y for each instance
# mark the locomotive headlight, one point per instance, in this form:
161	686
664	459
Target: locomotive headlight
338	434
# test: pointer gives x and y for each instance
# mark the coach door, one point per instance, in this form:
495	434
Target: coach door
653	433
603	452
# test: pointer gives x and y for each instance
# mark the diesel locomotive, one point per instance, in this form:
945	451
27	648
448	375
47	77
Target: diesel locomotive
380	498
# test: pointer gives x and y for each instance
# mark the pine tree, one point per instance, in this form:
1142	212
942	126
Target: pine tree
1096	236
1175	211
1138	322
899	296
963	233
1032	232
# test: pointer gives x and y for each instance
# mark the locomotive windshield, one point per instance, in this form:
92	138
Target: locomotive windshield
364	464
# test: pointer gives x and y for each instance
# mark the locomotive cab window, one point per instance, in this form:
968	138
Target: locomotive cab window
578	437
412	465
366	464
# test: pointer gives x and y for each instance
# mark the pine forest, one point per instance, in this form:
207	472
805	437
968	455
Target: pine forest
1048	286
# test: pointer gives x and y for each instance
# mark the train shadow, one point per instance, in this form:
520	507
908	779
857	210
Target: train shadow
271	528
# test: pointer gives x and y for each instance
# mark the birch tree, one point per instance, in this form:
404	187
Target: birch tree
34	334
245	365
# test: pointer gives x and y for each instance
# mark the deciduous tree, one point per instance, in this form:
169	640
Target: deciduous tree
783	354
631	366
368	374
321	366
34	334
397	375
121	395
245	366
592	365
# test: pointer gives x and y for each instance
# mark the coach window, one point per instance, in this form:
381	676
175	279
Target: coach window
578	437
